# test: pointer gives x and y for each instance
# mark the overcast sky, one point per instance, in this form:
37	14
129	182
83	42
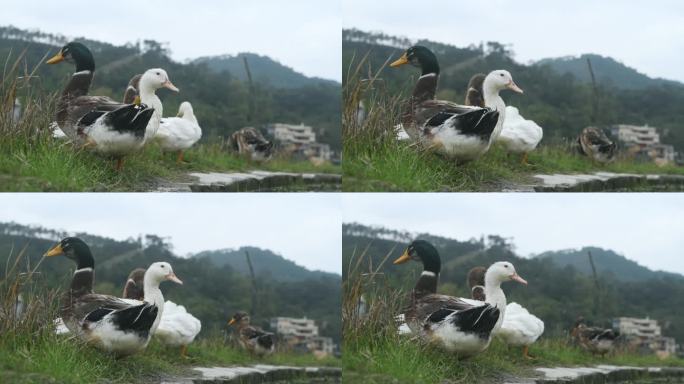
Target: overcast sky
643	227
646	35
303	227
302	34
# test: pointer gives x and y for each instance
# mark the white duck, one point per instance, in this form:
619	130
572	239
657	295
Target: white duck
520	328
150	81
459	325
179	133
494	82
520	135
177	328
121	327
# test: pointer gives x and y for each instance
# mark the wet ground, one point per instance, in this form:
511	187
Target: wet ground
260	373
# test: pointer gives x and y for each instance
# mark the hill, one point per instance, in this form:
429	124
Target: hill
263	70
606	261
607	71
210	292
266	264
559	102
221	100
556	294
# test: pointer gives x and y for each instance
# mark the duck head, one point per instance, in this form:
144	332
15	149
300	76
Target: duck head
75	249
76	53
421	57
423	251
476	282
154	79
240	317
502	271
160	271
499	80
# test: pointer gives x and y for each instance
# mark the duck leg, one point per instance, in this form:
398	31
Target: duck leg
526	353
179	160
524	159
184	351
119	164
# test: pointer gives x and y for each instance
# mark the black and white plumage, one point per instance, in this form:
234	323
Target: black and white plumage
458	131
252	338
97	122
119	326
249	141
459	325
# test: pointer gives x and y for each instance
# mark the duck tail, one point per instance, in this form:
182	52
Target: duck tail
479	320
266	340
138	319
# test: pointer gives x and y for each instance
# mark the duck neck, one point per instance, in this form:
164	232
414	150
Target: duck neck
154	296
427	282
82	281
495	296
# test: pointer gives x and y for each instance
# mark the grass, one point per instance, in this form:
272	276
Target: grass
30	352
375	353
33	161
374	160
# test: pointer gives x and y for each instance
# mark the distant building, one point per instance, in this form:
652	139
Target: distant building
644	141
300	141
645	335
301	334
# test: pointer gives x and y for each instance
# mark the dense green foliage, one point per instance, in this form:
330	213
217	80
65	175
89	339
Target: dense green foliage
606	261
210	292
220	99
560	103
607	72
556	294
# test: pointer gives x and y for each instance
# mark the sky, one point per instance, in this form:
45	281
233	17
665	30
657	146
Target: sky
303	34
645	35
302	227
644	227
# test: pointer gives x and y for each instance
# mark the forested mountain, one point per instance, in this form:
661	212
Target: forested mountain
557	294
607	71
263	70
266	264
561	103
606	261
209	291
221	100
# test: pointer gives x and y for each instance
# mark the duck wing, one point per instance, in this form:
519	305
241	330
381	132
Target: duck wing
465	119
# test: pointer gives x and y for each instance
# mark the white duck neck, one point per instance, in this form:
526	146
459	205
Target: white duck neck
494	101
495	296
154	296
150	98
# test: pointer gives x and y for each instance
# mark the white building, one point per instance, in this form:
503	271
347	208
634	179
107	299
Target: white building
646	335
302	334
644	141
292	134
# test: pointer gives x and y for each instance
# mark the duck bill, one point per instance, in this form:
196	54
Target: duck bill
516	277
168	84
403	258
56	58
514	87
54	251
231	322
172	277
401	61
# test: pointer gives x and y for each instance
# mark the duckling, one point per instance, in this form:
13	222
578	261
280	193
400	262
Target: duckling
252	338
458	131
97	122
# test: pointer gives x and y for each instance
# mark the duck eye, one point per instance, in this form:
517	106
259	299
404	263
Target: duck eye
505	266
501	74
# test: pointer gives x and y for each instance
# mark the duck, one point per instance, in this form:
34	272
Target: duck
251	338
249	141
177	327
593	339
519	328
517	134
456	131
595	144
149	82
459	325
117	326
131	92
97	123
179	133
